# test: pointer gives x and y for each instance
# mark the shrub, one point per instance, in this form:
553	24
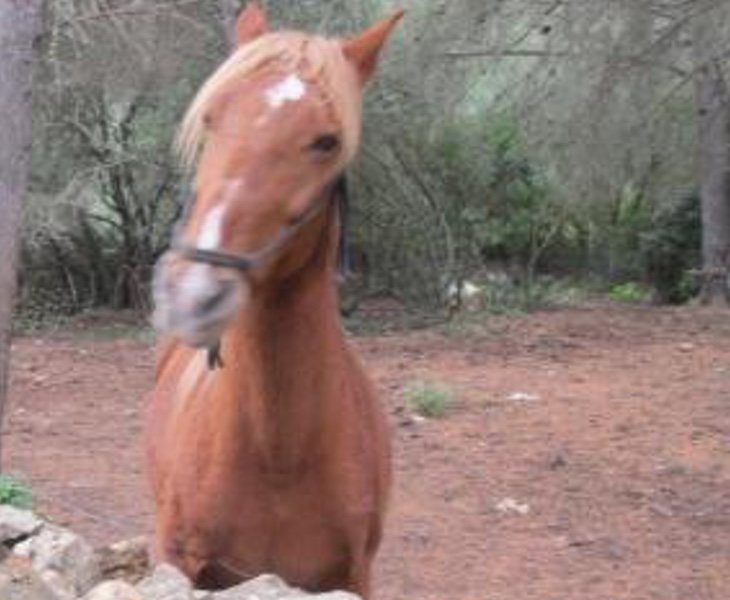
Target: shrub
672	247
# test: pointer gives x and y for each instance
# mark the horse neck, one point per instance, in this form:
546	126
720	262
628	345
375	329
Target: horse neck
287	347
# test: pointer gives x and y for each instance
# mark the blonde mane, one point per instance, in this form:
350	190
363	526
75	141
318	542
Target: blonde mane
317	60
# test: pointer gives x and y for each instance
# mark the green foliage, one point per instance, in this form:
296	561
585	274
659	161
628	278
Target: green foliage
574	180
628	292
505	208
15	493
672	247
104	181
429	400
613	232
459	201
94	243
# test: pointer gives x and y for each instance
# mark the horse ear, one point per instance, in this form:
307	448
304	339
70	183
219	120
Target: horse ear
252	23
364	49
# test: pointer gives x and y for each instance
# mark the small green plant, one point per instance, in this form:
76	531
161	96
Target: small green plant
628	292
14	492
429	400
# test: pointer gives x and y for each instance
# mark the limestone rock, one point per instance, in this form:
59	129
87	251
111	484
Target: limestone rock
18	581
17	524
114	590
166	583
271	587
65	560
62	587
127	560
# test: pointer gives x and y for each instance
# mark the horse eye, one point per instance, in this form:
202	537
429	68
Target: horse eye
325	143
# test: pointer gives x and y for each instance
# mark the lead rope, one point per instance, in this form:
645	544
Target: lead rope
215	360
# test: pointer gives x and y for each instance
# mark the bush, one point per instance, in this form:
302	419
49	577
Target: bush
443	204
616	230
672	247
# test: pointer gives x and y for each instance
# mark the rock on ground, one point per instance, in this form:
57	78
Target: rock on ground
19	581
127	560
64	560
271	587
114	590
166	583
16	524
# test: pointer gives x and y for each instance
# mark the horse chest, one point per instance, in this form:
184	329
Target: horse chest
266	495
290	530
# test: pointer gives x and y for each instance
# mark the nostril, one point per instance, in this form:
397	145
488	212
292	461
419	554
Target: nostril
212	302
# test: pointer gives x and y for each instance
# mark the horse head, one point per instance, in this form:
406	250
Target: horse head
268	135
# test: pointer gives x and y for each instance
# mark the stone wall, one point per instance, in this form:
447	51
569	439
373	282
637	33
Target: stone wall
42	561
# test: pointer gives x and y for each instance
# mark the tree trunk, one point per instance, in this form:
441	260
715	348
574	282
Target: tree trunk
20	22
713	114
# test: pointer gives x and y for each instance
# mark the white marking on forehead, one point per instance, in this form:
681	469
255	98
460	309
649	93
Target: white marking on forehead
290	89
210	234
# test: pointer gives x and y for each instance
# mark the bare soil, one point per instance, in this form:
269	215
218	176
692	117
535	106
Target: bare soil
587	456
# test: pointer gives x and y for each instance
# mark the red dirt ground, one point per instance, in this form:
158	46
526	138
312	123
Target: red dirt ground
603	433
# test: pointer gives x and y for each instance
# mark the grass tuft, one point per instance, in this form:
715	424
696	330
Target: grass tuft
15	493
429	400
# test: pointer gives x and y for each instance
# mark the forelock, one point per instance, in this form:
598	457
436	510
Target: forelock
318	61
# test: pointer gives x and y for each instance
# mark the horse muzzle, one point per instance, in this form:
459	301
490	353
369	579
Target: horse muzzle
195	301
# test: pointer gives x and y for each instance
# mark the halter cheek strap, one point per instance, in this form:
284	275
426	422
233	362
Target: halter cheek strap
336	191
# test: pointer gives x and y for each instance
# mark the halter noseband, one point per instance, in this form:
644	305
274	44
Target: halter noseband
336	190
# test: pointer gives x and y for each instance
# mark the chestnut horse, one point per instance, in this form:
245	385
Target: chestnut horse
267	449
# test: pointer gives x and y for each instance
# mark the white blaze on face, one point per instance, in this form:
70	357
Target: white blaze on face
198	279
209	237
290	89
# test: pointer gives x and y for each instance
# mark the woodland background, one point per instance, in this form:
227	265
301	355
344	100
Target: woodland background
530	146
538	151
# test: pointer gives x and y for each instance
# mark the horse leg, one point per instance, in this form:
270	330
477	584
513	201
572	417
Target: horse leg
205	574
215	575
170	547
366	543
359	570
359	577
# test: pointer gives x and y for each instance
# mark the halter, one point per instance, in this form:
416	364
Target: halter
335	191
